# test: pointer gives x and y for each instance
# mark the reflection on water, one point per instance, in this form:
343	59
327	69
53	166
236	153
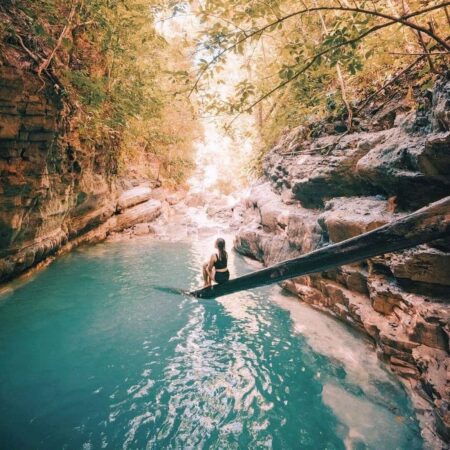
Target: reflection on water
93	356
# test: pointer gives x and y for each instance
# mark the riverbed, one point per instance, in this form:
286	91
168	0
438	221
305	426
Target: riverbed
94	354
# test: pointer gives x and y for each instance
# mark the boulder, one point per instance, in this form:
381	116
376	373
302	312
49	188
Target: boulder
323	169
348	217
276	249
176	197
219	212
133	197
422	264
248	242
144	212
268	205
160	194
315	178
142	229
304	231
195	199
410	167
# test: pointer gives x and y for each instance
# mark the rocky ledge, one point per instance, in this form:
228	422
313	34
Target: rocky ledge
91	225
327	190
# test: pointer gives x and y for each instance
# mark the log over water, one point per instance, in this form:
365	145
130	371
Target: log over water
425	225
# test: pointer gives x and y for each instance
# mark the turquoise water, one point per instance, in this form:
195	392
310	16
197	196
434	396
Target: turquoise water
92	356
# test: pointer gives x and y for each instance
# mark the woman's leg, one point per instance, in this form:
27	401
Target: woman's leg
206	275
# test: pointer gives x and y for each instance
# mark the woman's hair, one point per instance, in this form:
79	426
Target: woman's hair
220	244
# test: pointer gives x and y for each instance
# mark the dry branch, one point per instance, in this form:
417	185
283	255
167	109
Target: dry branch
393	80
312	61
44	65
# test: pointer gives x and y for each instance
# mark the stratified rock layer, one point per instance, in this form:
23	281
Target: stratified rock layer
329	190
56	191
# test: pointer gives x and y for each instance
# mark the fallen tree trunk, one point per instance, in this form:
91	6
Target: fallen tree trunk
425	225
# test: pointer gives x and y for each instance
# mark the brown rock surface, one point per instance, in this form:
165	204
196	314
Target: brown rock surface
348	217
400	300
133	197
144	212
56	191
422	264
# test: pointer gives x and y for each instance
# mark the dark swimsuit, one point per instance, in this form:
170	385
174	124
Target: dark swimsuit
219	264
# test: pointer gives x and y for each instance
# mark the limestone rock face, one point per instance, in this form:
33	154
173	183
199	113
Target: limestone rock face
398	162
412	168
133	197
345	218
423	264
143	212
315	193
314	176
55	189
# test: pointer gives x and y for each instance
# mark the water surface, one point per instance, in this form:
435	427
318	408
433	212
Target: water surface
93	356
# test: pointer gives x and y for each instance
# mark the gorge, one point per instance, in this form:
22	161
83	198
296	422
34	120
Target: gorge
255	369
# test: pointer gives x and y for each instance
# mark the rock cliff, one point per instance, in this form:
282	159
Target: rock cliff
332	188
56	190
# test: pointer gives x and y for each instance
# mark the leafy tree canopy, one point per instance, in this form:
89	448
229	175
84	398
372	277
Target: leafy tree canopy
311	58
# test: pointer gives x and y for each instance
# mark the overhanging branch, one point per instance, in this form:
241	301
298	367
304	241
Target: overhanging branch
311	62
404	20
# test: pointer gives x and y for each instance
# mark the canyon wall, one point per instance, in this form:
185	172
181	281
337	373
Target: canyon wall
323	191
56	190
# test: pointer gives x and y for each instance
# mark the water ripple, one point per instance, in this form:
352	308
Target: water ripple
110	362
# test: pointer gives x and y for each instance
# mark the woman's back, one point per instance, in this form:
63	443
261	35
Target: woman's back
221	261
216	269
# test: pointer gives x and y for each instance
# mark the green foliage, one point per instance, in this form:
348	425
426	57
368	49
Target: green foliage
307	65
91	91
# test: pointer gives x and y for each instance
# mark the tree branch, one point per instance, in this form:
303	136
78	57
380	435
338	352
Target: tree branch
313	59
393	80
27	50
44	65
36	59
392	20
419	53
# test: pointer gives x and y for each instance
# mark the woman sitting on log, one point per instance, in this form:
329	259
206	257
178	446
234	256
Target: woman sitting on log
216	269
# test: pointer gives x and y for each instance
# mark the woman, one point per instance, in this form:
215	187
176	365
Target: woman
216	269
